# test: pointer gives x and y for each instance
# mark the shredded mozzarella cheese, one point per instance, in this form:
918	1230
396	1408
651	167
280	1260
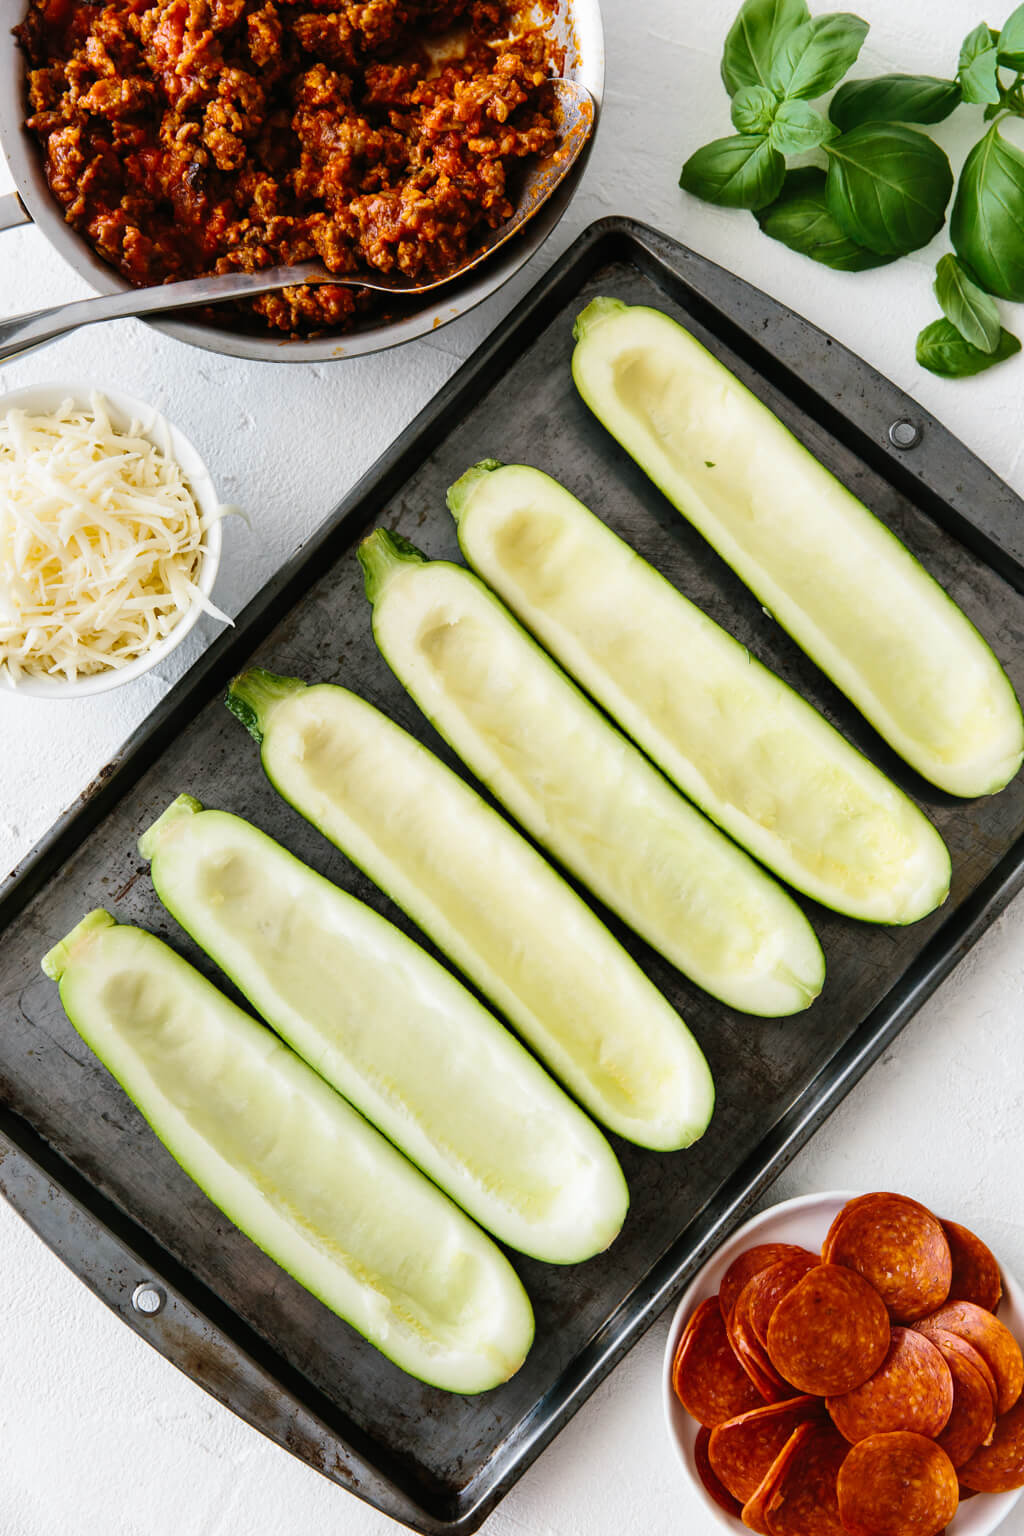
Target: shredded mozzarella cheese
101	543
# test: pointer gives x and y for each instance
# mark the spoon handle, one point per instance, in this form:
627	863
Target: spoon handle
21	333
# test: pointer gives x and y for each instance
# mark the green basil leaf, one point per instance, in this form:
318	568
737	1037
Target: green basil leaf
887	187
817	55
1011	41
893	99
799	218
739	172
965	305
941	349
798	128
987	222
753	109
992	110
753	38
979	66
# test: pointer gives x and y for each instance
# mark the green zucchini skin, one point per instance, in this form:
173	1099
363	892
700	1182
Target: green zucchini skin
580	789
471	882
291	1164
836	578
393	1032
756	758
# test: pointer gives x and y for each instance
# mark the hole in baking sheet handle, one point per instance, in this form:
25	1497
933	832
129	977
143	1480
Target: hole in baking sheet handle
13	212
904	433
149	1298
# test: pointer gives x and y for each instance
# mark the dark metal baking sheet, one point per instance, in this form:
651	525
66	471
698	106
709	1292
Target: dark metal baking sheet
81	1165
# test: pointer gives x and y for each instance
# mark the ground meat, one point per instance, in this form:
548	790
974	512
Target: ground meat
328	37
191	136
114	97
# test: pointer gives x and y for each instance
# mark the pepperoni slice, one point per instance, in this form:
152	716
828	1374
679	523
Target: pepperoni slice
746	1265
748	1323
709	1477
762	1294
996	1345
973	1414
897	1485
976	1274
912	1390
899	1247
741	1451
830	1333
999	1466
804	1500
706	1376
950	1344
754	1513
854	1205
880	1194
750	1351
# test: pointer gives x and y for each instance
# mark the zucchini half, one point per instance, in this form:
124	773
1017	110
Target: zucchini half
850	594
755	757
581	789
394	1032
291	1164
488	900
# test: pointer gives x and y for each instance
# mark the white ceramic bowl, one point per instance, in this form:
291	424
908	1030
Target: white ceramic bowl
123	410
805	1221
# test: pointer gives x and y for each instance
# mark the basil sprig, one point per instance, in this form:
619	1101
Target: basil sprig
969	308
978	72
987	226
797	127
1011	41
878	188
753	109
814	57
743	171
942	350
800	218
753	37
894	99
888	186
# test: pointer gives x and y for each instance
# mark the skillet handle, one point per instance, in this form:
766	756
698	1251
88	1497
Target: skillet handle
21	333
13	212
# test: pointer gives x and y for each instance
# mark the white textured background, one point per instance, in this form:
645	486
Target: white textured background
99	1435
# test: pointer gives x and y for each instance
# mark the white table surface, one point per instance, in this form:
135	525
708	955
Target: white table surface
100	1436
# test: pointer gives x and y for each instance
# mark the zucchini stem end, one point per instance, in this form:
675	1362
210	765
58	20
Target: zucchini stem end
253	695
151	839
383	553
56	960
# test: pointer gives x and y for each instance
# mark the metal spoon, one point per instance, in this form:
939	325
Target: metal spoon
574	112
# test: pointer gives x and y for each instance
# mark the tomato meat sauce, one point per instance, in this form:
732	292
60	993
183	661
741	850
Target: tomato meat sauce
186	137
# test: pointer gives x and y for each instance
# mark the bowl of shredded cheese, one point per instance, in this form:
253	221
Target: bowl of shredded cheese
110	539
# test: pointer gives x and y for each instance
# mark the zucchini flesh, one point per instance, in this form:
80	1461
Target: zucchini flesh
848	591
582	790
756	757
291	1164
488	900
394	1032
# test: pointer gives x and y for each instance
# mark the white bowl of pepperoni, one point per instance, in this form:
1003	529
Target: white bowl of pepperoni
837	1369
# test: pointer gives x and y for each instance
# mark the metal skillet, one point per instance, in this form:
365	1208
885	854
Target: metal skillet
576	27
575	111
